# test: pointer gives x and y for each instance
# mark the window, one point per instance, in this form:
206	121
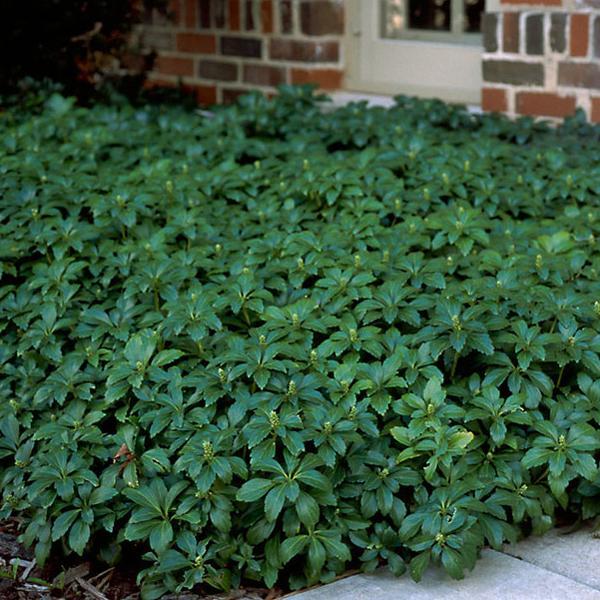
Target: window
432	20
429	48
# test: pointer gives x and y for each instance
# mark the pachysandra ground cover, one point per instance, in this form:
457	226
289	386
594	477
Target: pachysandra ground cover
281	343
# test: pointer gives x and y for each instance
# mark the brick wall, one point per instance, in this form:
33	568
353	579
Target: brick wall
542	58
222	48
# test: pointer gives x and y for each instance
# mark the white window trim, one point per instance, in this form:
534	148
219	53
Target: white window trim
434	69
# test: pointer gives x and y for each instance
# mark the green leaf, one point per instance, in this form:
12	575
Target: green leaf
63	522
290	547
172	560
307	509
585	465
534	457
482	343
274	502
166	357
316	556
254	490
418	564
161	536
314	479
79	536
453	563
460	439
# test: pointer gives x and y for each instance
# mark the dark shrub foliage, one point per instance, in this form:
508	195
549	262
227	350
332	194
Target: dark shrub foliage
80	44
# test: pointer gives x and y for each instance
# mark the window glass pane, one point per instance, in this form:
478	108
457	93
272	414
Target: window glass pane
392	12
398	16
433	15
472	15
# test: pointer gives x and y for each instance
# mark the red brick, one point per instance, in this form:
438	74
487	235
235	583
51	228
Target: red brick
595	114
217	70
191	13
303	51
513	72
534	34
133	61
234	15
264	75
544	104
489	28
510	32
203	94
286	15
230	95
321	17
220	10
558	32
173	65
327	79
206	94
534	2
266	16
205	13
175	10
157	39
196	43
580	28
249	14
581	75
241	46
494	100
157	82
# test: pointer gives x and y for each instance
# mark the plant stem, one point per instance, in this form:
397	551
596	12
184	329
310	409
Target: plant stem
553	324
246	317
560	374
454	363
542	476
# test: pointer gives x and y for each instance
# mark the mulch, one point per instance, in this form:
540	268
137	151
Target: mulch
22	579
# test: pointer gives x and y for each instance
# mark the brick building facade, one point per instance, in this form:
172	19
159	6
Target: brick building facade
223	48
539	57
542	58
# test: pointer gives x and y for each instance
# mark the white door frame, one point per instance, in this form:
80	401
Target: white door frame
450	71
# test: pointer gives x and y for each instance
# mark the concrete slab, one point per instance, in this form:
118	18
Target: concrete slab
575	555
343	97
496	576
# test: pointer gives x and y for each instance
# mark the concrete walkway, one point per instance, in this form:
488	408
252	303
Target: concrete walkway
557	566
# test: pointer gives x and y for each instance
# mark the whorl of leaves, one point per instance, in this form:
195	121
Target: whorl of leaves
283	342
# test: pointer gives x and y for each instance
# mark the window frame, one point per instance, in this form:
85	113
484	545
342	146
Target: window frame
415	67
456	35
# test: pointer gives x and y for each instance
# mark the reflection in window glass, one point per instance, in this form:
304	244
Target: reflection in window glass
472	15
433	15
393	18
399	16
